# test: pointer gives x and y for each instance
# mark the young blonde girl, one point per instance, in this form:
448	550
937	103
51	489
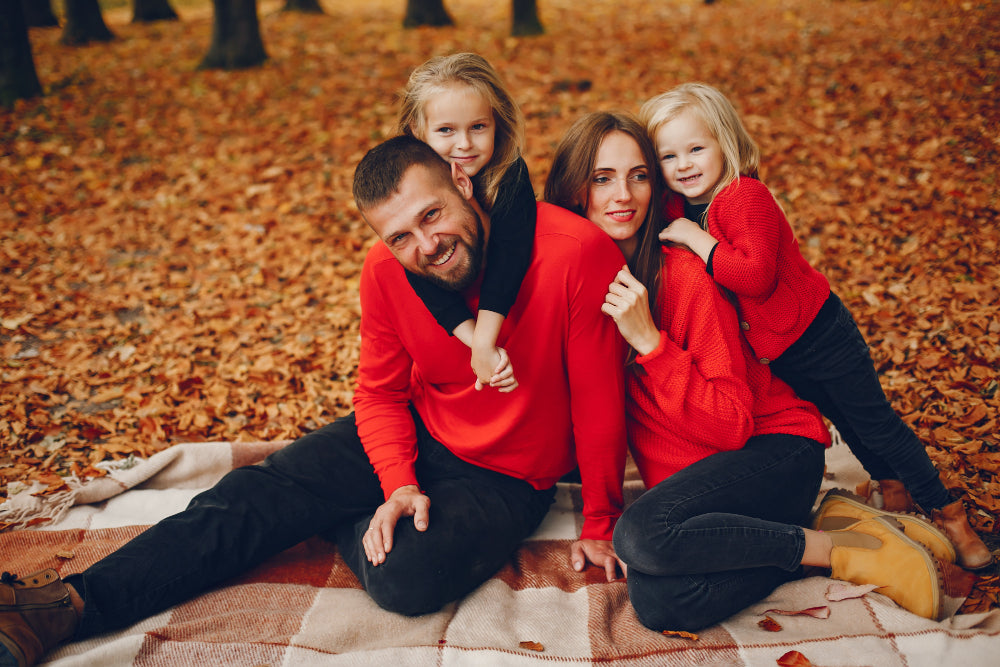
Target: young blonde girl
459	106
794	323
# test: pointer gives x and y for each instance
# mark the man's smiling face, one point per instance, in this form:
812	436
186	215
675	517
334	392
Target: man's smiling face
430	226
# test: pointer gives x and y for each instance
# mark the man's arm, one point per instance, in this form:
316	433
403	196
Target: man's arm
595	368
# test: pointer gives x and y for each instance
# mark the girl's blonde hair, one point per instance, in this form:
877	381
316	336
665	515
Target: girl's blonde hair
471	70
741	155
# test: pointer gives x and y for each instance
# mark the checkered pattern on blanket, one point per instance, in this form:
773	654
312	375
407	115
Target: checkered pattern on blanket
304	607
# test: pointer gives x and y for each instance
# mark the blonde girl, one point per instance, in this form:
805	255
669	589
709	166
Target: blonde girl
459	106
719	209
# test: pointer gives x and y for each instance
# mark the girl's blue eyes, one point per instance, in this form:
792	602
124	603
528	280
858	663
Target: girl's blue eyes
671	156
447	130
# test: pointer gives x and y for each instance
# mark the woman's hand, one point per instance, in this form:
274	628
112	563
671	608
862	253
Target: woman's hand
627	303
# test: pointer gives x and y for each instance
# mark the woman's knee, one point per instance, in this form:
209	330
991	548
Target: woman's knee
631	537
671	603
642	539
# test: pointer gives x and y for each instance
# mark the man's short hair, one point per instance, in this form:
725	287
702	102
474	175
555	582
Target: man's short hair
377	176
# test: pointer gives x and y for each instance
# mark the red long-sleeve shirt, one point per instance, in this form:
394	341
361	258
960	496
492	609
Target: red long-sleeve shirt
700	391
567	356
758	259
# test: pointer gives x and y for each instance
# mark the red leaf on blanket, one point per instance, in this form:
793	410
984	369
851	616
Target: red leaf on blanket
532	646
769	624
837	592
794	659
815	612
680	633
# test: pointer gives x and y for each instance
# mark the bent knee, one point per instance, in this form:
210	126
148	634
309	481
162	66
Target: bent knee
406	598
637	544
678	606
409	590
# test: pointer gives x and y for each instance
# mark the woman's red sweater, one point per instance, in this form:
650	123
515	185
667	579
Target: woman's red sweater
700	391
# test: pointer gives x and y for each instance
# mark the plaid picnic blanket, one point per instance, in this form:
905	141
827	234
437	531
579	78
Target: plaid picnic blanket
305	607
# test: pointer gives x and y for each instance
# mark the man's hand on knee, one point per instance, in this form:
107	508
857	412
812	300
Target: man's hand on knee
404	501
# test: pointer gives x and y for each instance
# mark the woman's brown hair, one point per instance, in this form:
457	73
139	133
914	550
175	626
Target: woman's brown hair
568	185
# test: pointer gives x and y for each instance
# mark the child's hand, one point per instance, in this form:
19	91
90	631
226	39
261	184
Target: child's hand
501	376
687	233
680	231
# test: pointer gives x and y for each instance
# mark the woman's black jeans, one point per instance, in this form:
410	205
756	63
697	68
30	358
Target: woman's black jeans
721	534
322	484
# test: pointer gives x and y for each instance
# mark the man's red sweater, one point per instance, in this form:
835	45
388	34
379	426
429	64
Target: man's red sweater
567	356
758	259
701	391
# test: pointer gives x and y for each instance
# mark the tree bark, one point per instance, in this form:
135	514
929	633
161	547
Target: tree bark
524	19
236	42
308	6
38	13
426	12
18	78
147	11
84	24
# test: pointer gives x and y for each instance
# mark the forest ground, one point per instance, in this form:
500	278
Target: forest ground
179	251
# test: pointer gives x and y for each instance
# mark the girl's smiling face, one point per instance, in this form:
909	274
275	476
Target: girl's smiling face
459	126
690	157
620	190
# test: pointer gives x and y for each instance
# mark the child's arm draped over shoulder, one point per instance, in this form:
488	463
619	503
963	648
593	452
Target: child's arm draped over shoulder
512	232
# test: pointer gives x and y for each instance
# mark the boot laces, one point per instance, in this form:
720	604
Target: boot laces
10	579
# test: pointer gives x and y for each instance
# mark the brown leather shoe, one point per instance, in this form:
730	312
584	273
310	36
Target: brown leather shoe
35	614
952	520
895	497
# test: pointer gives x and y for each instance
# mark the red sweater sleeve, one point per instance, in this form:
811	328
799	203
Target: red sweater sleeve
692	398
748	224
382	397
595	365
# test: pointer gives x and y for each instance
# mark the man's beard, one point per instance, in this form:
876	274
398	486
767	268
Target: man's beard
463	276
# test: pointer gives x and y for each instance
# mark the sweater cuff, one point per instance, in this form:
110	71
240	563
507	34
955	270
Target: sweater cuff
598	528
666	350
395	477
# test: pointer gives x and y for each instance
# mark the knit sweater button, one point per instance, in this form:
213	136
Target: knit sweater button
765	361
745	326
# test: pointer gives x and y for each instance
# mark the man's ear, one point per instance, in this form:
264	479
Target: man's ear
461	180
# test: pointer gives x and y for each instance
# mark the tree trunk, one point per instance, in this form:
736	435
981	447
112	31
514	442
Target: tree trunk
38	13
84	23
308	6
18	78
524	19
426	12
236	41
147	11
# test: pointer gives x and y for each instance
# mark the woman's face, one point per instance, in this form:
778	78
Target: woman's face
619	190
